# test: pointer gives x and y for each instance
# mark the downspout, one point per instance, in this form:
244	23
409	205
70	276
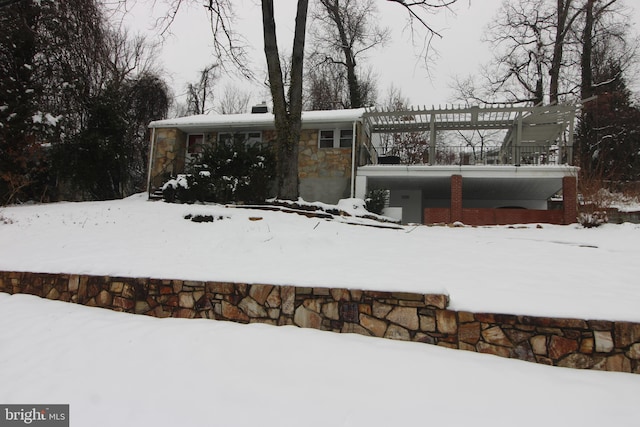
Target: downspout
150	164
353	160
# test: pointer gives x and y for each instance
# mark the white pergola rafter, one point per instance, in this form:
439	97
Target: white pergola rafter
531	125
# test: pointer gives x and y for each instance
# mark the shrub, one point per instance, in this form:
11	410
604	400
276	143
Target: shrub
376	200
229	172
592	219
594	200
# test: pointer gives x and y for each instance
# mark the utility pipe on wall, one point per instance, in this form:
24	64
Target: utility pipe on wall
353	160
150	164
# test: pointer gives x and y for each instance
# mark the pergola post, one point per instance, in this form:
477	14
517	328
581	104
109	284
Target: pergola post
570	142
432	140
517	141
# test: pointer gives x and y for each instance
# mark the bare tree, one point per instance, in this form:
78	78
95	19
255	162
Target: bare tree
522	35
566	14
543	50
200	93
287	104
608	128
410	147
326	87
287	109
604	38
233	101
344	31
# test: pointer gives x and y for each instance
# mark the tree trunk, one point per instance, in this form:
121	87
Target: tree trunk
355	98
562	12
287	114
586	86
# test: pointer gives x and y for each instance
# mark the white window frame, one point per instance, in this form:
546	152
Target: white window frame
337	137
323	139
348	138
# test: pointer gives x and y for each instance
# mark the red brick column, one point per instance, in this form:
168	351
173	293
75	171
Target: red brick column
570	199
456	198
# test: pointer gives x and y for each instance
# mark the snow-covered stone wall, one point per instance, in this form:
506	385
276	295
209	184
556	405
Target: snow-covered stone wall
575	343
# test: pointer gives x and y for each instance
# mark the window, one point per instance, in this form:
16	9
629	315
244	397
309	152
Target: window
335	138
194	144
249	138
346	138
326	139
254	138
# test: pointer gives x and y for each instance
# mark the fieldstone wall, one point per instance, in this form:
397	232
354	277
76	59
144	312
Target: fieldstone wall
573	343
325	173
315	162
168	158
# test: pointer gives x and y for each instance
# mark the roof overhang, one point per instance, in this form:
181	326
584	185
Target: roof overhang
258	121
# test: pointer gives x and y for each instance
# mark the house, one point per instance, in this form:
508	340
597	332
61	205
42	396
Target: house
325	160
340	157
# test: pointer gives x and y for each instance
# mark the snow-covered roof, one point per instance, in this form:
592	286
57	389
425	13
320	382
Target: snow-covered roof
257	120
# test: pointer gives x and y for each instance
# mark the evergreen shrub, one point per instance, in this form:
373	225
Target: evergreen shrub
376	200
232	171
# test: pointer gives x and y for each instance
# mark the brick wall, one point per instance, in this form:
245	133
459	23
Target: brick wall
437	216
485	216
570	199
495	216
575	343
456	198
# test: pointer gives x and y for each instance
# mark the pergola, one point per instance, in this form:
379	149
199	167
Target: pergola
537	126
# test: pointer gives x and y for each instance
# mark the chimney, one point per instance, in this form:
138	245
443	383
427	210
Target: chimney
260	108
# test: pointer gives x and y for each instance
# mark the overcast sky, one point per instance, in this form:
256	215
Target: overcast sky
460	51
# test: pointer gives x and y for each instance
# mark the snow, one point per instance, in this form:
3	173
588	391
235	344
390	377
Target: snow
47	118
561	271
126	370
261	119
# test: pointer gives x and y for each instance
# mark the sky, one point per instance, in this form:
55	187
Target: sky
459	52
188	48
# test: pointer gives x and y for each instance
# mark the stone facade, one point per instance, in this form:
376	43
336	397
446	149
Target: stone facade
315	162
573	343
324	173
168	158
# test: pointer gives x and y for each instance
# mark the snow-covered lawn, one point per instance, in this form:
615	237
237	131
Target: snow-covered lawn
562	271
125	370
116	369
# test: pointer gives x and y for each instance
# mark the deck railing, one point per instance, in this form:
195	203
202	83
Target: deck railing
530	155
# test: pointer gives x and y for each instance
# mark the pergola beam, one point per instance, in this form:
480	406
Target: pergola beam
535	125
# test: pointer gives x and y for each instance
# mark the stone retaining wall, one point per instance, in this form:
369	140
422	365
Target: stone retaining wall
575	343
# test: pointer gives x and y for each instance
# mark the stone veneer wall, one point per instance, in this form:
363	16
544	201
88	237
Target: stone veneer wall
575	343
324	173
315	162
168	157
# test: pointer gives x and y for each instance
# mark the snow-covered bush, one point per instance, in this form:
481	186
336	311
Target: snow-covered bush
228	172
592	219
376	200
